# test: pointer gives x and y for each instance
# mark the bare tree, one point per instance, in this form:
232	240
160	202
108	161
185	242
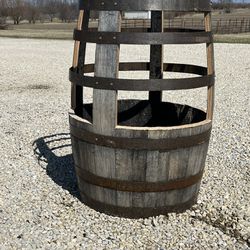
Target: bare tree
3	11
67	11
223	4
51	8
32	12
16	10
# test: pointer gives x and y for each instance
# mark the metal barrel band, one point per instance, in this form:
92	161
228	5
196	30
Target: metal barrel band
162	145
137	186
145	66
141	85
143	5
144	84
143	37
135	212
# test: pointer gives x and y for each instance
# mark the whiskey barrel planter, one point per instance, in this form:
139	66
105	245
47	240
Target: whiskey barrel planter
138	158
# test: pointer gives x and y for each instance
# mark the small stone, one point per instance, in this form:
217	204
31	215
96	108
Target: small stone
20	236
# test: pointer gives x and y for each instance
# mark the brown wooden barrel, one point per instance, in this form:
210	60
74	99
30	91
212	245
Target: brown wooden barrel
138	158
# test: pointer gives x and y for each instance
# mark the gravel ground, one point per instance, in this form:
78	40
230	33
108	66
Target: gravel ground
39	200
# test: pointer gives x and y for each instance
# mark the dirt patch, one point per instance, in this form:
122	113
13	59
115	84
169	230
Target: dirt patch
40	86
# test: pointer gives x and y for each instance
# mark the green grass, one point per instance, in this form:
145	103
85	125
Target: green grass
40	31
233	38
64	31
38	34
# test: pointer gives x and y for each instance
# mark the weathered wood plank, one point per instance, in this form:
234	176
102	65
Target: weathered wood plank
135	165
105	102
124	171
156	72
106	65
130	165
210	67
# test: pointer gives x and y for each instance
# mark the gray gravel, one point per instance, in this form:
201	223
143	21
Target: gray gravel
39	205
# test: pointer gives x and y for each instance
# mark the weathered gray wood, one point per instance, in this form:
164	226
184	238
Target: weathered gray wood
156	72
210	67
76	151
135	165
105	103
106	65
152	169
130	165
124	170
138	166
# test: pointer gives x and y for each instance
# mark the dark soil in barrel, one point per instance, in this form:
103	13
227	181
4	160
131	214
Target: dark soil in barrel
137	113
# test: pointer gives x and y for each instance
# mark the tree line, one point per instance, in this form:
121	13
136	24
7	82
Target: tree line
65	10
227	5
35	10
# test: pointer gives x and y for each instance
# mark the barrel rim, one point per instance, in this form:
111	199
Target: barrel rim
147	5
119	128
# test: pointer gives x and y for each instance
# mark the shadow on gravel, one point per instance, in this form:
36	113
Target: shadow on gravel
54	154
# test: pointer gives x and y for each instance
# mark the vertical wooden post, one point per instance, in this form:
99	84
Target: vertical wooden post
78	64
106	65
75	96
210	67
156	72
77	43
156	55
105	102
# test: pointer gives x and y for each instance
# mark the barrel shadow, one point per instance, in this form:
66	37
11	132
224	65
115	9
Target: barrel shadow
53	154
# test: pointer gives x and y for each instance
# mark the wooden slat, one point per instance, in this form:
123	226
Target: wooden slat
156	54
107	61
156	72
136	165
131	165
210	66
74	97
77	43
78	62
105	102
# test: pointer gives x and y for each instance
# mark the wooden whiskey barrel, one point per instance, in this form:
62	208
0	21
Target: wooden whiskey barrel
138	158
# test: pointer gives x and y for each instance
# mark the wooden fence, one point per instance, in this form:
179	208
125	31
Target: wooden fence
220	26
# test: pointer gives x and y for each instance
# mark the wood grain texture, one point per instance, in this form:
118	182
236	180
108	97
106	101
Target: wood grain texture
105	104
77	43
210	67
106	65
156	72
136	165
